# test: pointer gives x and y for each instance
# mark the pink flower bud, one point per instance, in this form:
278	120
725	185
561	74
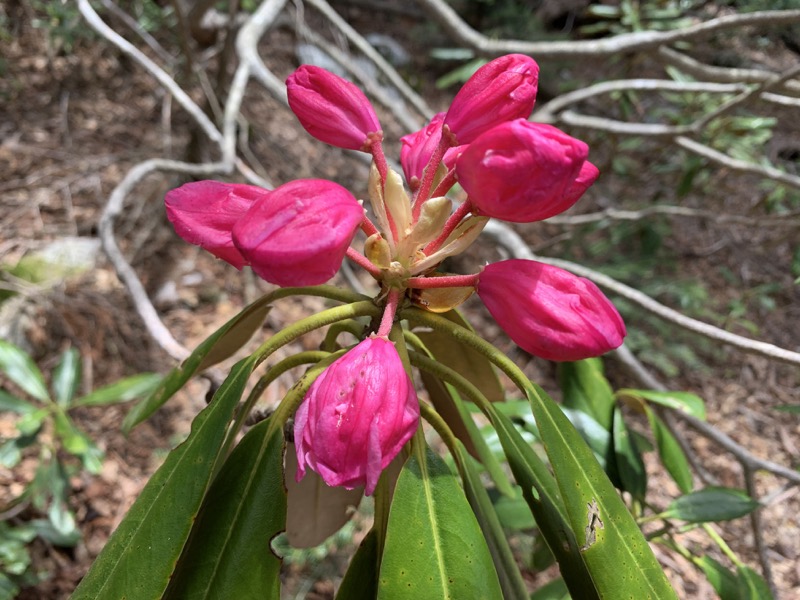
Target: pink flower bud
356	416
501	90
331	109
523	172
299	233
204	212
418	147
549	312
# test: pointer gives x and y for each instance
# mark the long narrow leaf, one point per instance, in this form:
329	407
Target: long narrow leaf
612	545
20	369
141	554
228	553
434	547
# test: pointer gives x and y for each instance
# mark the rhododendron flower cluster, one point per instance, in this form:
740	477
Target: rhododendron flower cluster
360	412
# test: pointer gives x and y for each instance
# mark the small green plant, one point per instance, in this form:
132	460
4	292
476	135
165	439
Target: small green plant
45	429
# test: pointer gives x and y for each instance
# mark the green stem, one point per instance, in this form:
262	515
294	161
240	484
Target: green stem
326	317
331	292
471	339
726	550
334	331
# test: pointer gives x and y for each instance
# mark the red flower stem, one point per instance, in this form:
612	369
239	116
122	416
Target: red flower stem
368	227
423	283
424	190
445	184
363	261
392	302
456	218
376	149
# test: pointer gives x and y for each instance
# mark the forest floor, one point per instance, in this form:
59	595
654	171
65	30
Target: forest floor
75	119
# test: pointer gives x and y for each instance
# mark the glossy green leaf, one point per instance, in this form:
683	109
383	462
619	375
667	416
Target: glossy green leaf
555	590
236	333
684	401
141	554
511	582
752	585
20	369
599	439
315	510
514	513
228	553
620	561
67	377
464	360
10	454
361	579
671	454
541	492
13	404
711	504
434	547
629	461
723	581
123	390
206	354
584	387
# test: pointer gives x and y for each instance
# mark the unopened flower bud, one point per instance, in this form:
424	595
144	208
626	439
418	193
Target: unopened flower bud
550	312
299	233
331	109
356	416
204	213
501	90
377	251
523	172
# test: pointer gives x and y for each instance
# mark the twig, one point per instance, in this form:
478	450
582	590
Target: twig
595	49
141	301
162	76
700	70
138	30
366	48
516	246
784	220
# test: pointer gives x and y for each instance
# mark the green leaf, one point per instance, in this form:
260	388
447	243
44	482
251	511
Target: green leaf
788	408
13	404
67	377
434	547
752	585
235	333
630	464
228	553
721	579
541	493
315	510
711	504
139	558
20	369
121	391
463	359
555	590
584	387
614	550
360	581
684	401
206	354
671	453
511	582
10	454
514	513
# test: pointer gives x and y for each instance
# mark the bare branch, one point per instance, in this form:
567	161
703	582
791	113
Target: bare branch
516	246
595	49
162	76
705	72
141	301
